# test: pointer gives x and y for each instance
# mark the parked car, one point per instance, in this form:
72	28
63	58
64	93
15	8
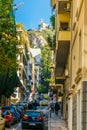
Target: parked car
33	119
20	109
20	106
2	122
13	111
24	104
9	120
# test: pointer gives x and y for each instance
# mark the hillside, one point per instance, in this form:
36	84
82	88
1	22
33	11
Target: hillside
40	38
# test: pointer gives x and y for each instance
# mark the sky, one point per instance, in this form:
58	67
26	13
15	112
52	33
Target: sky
30	12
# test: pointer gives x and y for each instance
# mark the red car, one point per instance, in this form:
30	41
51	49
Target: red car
9	120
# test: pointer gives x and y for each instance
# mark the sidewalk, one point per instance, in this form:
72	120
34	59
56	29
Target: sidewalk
57	123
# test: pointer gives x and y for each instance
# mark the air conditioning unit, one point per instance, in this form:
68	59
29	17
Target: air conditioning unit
68	6
66	73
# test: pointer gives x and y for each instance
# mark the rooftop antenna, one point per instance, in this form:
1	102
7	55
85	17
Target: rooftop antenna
16	6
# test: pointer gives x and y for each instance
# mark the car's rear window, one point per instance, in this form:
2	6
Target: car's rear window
11	109
3	109
35	114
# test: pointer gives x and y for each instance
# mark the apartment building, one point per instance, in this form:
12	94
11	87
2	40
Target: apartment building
62	52
79	64
35	57
75	68
23	65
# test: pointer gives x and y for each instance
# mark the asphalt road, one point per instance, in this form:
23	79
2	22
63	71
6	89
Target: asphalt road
15	127
18	125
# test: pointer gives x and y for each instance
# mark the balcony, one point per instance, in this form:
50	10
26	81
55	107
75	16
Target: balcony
20	65
59	81
20	49
18	58
52	66
52	84
53	3
19	29
61	60
64	35
19	46
64	6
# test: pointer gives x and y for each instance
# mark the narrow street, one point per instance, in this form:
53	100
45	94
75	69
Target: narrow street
54	123
43	65
18	127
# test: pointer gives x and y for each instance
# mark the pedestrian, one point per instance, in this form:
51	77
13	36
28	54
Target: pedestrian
30	106
57	108
34	105
52	107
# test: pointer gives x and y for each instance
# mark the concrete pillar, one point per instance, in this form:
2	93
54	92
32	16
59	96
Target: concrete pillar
64	106
70	113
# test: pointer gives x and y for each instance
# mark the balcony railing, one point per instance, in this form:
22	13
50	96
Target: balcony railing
64	35
52	65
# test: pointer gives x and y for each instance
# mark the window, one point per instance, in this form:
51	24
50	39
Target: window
64	26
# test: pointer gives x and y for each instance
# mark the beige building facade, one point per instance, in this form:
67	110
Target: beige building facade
78	58
23	68
62	10
72	14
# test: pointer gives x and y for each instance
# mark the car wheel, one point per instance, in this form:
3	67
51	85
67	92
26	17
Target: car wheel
42	128
9	125
17	120
22	126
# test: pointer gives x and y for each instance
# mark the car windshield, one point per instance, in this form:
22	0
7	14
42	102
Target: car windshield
44	100
35	114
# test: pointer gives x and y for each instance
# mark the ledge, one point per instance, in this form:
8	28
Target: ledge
70	92
79	75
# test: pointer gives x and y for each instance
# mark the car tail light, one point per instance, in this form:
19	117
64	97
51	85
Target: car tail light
25	117
40	118
7	118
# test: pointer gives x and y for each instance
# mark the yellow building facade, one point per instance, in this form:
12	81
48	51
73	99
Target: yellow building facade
71	63
78	65
63	36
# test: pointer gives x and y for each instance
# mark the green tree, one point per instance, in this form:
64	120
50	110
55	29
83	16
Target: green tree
8	42
48	35
42	89
8	38
45	65
52	20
